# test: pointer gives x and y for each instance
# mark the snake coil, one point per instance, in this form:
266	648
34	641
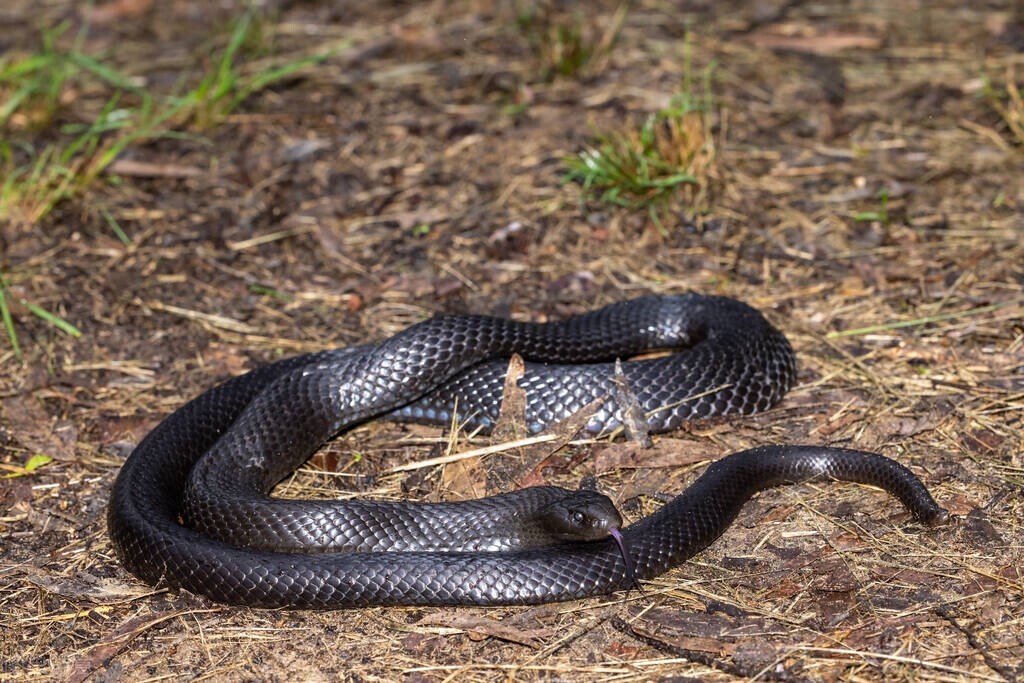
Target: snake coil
213	461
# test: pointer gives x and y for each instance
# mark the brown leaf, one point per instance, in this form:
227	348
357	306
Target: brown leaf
146	169
109	645
712	633
665	452
565	430
511	423
118	428
482	626
464	479
33	428
825	43
85	586
113	12
633	418
15	495
645	483
831	575
981	441
912	577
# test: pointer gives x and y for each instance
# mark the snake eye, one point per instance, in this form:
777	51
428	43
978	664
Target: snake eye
578	517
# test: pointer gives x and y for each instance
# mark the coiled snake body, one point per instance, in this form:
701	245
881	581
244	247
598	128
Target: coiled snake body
213	461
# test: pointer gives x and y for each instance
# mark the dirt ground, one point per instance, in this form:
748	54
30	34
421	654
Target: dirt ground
419	170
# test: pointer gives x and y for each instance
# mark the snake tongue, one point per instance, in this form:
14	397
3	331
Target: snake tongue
630	569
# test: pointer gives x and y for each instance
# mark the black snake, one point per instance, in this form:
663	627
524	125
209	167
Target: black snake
189	508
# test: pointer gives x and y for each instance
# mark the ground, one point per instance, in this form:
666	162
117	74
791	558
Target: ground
865	193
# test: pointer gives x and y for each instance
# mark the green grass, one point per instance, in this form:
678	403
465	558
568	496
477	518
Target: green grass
567	46
669	159
231	81
7	318
39	175
881	214
43	164
63	169
33	86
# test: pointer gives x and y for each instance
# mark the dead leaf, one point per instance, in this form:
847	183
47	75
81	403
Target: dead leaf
470	478
463	479
30	425
115	641
476	624
665	452
826	43
671	636
84	586
565	431
633	418
982	441
124	430
646	483
113	12
146	169
15	496
511	423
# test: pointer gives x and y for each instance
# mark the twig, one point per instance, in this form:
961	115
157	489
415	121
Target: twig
699	657
975	642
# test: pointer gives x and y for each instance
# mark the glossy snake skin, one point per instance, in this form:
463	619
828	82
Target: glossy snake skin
211	463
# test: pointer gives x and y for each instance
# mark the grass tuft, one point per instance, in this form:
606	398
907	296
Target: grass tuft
33	88
669	160
1006	100
568	47
8	319
39	173
36	180
232	80
63	169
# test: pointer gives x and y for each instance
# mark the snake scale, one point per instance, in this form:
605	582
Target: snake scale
190	507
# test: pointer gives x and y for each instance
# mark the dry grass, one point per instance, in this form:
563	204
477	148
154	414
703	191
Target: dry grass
1008	103
395	182
666	166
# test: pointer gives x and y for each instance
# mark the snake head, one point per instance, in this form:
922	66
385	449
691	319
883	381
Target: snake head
581	515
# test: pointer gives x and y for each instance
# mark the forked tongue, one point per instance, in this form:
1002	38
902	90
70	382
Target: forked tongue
630	569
